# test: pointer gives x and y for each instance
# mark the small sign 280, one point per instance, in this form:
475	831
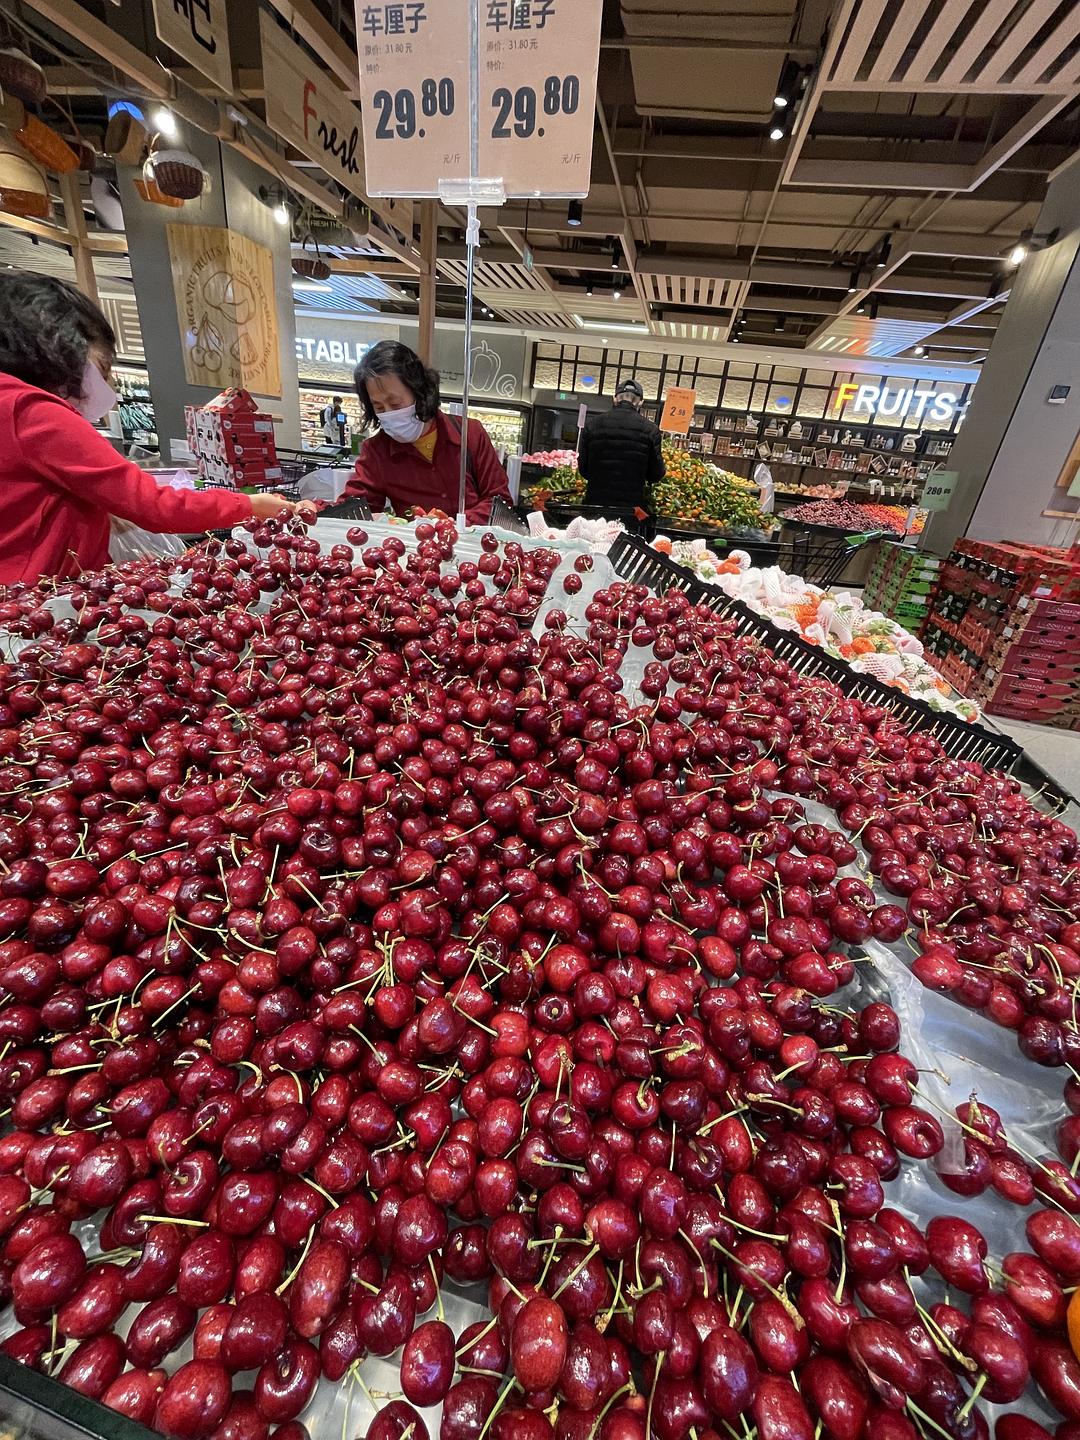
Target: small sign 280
938	490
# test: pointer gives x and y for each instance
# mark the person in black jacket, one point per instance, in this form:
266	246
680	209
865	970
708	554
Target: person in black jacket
620	453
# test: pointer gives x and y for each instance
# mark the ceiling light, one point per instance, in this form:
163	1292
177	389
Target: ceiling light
630	328
588	289
604	342
919	351
313	285
281	213
873	308
860	309
776	133
884	252
164	122
575	213
854	280
1018	254
787	87
616	294
781	321
616	258
734	339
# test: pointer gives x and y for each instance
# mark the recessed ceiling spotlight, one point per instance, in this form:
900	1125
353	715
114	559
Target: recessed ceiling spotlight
164	121
575	213
919	351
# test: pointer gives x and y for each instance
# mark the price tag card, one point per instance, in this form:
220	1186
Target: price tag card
678	411
938	491
414	83
537	93
538	63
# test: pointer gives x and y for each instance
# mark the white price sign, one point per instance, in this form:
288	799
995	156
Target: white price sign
938	491
537	64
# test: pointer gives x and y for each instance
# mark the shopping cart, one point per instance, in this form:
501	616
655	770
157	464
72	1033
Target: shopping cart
294	465
820	553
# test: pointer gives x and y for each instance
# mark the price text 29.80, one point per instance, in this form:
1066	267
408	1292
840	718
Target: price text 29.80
516	111
397	110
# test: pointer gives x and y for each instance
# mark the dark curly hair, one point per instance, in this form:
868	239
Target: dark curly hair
391	358
46	330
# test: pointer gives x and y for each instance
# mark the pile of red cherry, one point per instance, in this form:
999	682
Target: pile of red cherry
354	943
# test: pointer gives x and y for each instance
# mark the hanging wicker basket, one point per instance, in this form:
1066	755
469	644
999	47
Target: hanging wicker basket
24	189
22	77
85	154
149	191
47	147
12	112
126	138
311	267
177	173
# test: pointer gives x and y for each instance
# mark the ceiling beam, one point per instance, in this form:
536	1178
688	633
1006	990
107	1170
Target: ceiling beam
950	287
870	175
763	272
38	228
349	265
700	42
940	87
314	28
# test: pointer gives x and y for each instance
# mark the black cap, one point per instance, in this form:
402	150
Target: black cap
630	387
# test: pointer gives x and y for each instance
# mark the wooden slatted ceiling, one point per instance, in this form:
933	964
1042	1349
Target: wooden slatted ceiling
699	291
965	44
514	279
538	320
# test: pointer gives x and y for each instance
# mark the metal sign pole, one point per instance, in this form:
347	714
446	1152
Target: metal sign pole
543	89
472	239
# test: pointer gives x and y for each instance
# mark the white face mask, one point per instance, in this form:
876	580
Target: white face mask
98	396
402	425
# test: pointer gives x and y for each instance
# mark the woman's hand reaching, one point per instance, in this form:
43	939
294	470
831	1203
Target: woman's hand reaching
271	507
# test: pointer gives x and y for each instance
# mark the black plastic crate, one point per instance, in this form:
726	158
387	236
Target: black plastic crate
504	517
352	509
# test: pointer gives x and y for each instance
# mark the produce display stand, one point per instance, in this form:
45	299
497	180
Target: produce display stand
640	564
561	516
762	552
959	1052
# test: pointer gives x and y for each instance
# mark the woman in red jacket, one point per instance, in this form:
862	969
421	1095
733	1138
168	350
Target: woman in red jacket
414	459
60	480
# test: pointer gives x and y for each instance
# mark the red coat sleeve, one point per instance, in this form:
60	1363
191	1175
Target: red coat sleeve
489	474
365	482
66	450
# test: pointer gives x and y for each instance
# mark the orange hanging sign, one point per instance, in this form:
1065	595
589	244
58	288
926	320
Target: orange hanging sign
678	411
